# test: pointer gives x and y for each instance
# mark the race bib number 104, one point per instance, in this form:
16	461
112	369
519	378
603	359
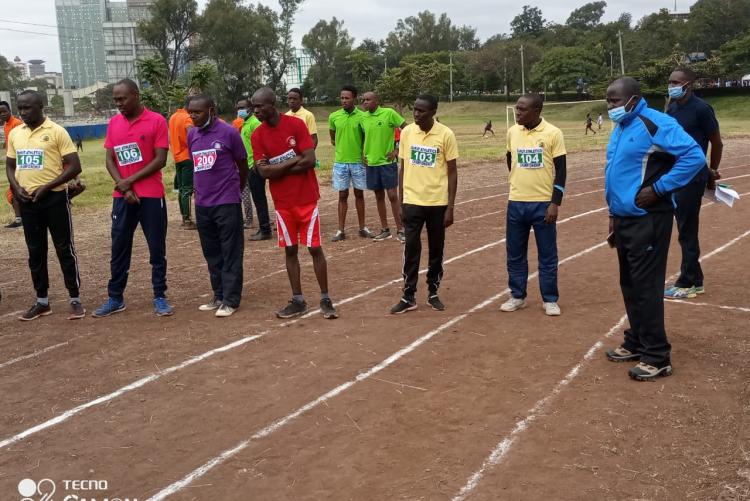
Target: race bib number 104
128	154
203	160
424	156
530	158
30	159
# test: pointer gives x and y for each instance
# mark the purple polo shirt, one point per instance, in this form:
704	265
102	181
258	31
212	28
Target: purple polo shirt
214	151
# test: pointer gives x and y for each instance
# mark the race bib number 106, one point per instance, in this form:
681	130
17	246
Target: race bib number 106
128	154
530	158
30	159
424	156
204	160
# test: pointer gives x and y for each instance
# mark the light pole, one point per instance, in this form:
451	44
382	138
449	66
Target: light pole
523	76
611	64
622	58
505	76
450	64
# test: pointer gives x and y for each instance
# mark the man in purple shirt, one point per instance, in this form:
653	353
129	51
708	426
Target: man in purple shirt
220	169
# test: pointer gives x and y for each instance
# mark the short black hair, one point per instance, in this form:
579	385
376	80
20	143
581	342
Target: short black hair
130	84
297	91
537	101
187	100
6	104
350	88
430	99
242	98
205	98
631	86
38	98
688	72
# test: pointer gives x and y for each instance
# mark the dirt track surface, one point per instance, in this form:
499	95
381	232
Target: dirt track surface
373	406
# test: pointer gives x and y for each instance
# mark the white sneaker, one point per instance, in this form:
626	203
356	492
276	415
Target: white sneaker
210	306
513	304
225	311
552	309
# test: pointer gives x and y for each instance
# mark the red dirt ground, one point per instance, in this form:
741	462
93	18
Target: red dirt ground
419	428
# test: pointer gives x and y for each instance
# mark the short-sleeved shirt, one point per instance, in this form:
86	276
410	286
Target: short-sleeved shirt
215	150
237	123
39	154
379	136
10	124
698	119
532	172
134	144
179	123
286	140
250	124
349	135
426	156
307	117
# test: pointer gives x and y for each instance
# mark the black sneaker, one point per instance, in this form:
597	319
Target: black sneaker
292	309
384	234
620	354
77	311
326	307
338	236
366	233
36	311
403	306
261	235
646	372
435	302
16	223
401	237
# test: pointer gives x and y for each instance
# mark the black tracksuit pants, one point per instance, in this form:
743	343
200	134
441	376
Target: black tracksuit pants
415	217
687	213
222	240
258	190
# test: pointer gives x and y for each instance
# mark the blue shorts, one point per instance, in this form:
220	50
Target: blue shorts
382	177
345	175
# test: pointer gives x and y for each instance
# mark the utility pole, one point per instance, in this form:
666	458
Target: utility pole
505	76
622	58
450	64
611	64
523	76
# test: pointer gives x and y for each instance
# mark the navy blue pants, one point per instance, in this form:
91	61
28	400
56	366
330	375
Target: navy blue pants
687	213
151	213
223	244
520	219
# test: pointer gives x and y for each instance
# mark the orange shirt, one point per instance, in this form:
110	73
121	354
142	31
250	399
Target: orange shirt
11	124
238	123
179	123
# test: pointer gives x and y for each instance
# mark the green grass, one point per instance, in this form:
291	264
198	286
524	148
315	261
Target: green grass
466	118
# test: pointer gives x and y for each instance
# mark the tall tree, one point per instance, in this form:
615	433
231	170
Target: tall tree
528	23
401	85
587	16
735	56
567	68
169	29
712	23
279	55
427	33
329	45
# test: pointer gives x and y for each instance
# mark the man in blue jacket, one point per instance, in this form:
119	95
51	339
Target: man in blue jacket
649	156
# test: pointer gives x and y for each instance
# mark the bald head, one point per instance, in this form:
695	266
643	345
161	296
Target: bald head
264	95
370	101
264	105
627	85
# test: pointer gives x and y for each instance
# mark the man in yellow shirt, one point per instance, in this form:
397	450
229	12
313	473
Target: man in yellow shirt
36	153
428	179
294	101
536	161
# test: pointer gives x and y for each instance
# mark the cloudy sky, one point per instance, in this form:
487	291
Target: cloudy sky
372	19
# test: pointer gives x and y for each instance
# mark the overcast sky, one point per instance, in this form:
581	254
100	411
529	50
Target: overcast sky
371	19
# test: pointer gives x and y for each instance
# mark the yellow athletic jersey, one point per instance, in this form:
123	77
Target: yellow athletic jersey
426	156
307	117
532	172
39	153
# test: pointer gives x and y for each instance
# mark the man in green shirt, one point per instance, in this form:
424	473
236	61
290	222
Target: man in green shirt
345	128
255	182
379	124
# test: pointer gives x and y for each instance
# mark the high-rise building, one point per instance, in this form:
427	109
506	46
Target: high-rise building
122	45
21	67
36	68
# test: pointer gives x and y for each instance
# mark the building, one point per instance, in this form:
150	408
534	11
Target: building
122	45
297	70
36	68
21	67
53	79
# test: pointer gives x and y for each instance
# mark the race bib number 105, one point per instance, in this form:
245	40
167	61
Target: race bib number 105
128	154
203	160
30	159
530	158
424	156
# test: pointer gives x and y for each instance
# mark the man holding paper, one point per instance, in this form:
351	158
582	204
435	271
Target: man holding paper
699	121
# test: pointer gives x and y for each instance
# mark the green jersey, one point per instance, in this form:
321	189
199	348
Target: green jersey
251	123
379	129
349	135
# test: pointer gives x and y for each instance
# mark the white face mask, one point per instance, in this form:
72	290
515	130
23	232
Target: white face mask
208	122
618	114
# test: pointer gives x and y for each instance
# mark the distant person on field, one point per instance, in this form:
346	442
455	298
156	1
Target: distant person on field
589	125
699	120
347	137
79	143
488	128
179	124
536	159
285	154
41	159
599	121
379	124
220	161
9	123
428	180
255	188
137	143
649	157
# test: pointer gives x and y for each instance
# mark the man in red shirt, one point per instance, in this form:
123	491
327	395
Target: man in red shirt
9	123
284	154
137	143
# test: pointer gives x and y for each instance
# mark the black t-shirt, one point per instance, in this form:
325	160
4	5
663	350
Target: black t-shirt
698	119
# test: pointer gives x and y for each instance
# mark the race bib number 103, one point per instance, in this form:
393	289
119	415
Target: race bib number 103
30	159
424	156
128	154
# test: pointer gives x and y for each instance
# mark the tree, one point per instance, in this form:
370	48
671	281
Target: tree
329	45
9	75
565	68
58	104
361	68
712	23
401	85
587	16
735	56
656	37
171	26
528	22
103	99
84	104
278	55
427	33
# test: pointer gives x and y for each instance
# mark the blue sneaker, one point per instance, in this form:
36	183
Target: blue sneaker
162	307
110	307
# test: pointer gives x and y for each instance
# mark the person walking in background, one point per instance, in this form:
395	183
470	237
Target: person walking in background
220	161
179	124
649	157
379	124
243	113
79	143
428	180
41	159
9	123
255	188
599	121
137	142
589	125
488	128
536	159
345	128
699	120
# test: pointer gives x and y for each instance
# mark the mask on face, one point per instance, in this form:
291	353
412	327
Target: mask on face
677	92
208	122
618	114
243	113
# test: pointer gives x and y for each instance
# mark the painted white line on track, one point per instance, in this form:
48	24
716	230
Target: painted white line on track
268	430
501	449
32	355
720	306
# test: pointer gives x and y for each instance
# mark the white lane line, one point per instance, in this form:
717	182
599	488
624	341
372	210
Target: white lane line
32	355
268	430
159	374
720	306
502	448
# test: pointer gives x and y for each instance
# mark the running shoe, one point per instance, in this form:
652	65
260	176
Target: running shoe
675	292
403	306
225	311
292	309
621	354
162	308
384	234
435	302
77	311
16	223
338	236
552	309
401	237
212	305
366	233
261	235
36	311
110	307
513	304
646	372
327	308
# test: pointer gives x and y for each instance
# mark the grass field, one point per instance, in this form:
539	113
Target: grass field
466	118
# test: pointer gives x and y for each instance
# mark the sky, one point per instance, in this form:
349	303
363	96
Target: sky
372	19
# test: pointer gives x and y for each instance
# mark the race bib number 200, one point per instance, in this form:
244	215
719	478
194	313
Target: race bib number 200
204	160
530	158
424	156
128	154
30	159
